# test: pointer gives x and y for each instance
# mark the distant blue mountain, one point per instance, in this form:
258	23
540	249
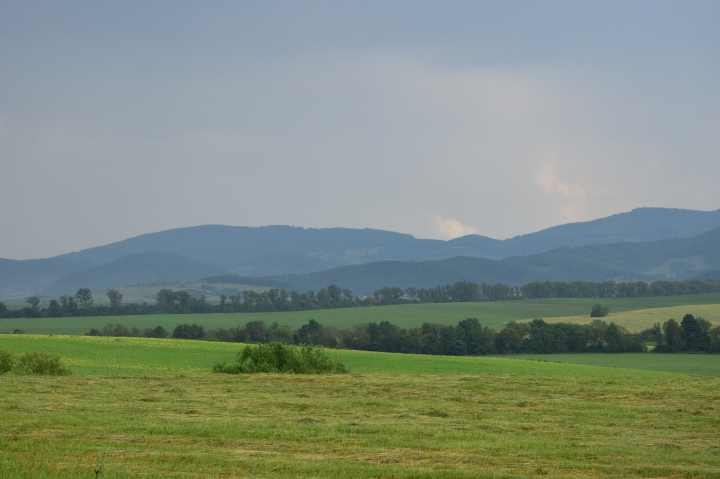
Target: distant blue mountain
672	259
139	268
276	250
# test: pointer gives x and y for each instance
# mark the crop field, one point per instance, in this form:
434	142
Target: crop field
151	408
493	314
640	319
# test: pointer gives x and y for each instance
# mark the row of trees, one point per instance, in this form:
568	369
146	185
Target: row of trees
690	335
467	338
611	289
181	302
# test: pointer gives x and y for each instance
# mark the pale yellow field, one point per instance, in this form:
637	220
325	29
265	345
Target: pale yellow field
644	318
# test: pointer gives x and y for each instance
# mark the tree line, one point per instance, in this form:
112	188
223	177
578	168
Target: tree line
468	338
271	300
691	335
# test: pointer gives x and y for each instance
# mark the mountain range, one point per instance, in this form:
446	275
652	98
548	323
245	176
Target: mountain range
640	261
646	243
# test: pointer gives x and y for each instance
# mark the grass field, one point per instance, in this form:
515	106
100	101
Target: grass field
150	408
98	356
493	314
701	364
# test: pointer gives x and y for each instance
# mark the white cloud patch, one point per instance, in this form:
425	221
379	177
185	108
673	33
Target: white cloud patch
571	196
449	228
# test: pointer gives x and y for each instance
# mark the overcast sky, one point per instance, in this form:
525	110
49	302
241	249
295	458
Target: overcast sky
437	119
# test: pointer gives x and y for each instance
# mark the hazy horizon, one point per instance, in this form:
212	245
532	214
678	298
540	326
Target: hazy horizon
436	119
328	227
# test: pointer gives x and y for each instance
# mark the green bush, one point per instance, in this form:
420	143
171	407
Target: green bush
41	364
599	311
7	361
280	358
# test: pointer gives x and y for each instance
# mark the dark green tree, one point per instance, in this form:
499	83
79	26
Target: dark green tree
599	311
84	297
188	331
256	332
613	339
304	335
465	291
510	338
388	295
385	337
279	334
674	337
453	341
115	298
696	333
473	336
157	332
54	309
33	301
655	335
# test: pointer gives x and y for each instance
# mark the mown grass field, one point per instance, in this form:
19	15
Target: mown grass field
700	364
493	314
151	408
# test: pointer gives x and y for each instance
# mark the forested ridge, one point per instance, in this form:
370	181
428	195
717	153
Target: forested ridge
332	297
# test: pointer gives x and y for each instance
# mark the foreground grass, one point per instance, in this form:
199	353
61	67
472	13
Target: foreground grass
358	426
98	356
494	314
150	408
698	364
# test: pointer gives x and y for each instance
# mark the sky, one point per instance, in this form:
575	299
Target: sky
438	119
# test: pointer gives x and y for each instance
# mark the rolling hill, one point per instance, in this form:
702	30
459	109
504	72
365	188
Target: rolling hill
140	268
647	261
271	251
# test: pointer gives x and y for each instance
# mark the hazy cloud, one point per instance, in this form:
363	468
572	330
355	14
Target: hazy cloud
511	116
449	228
571	196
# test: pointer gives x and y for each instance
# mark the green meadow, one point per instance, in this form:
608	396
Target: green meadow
141	407
152	408
493	314
106	356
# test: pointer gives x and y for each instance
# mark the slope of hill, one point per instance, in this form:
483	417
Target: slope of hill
648	261
140	268
638	225
276	250
365	278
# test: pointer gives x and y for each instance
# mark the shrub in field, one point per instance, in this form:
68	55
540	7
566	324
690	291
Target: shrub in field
280	358
6	362
40	364
599	311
